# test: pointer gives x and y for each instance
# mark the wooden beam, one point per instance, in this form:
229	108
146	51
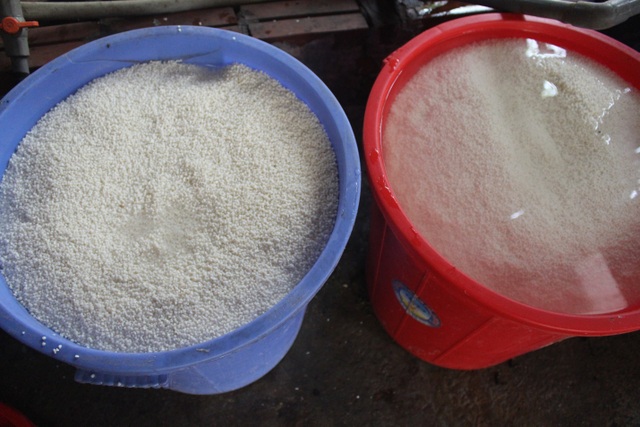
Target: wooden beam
40	55
219	17
311	25
299	8
62	33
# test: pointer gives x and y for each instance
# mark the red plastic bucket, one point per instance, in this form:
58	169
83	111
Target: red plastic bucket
430	308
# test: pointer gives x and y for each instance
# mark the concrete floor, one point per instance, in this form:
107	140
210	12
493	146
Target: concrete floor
343	369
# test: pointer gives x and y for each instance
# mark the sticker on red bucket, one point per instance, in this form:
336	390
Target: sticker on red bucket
414	305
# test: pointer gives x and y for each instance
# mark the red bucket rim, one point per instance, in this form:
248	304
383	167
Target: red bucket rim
618	57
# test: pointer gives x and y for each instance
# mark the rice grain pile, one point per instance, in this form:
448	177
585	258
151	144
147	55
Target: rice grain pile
520	163
166	204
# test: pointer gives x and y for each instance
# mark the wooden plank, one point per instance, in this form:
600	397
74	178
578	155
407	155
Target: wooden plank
217	17
62	33
40	55
311	25
299	8
234	28
52	34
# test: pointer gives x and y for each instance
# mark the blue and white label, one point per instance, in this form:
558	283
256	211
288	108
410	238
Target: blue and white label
414	305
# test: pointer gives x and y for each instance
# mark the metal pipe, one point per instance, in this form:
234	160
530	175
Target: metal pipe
586	14
51	11
16	46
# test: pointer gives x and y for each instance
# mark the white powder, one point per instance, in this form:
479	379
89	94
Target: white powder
520	163
166	204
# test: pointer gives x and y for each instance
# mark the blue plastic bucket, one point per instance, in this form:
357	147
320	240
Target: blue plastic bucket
249	352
